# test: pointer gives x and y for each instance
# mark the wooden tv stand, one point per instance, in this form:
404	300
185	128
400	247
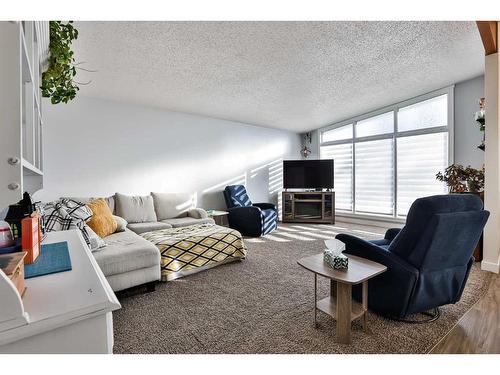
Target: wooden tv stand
309	207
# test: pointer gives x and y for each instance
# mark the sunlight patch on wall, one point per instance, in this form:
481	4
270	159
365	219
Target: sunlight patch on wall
238	180
276	182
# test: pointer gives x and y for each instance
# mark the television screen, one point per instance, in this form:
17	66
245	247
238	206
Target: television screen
308	174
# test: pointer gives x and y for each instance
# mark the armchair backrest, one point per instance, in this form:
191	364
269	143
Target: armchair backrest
441	231
236	196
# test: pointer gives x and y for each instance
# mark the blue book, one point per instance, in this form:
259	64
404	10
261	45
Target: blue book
53	258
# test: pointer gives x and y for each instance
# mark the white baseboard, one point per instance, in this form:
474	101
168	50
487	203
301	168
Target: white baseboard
490	266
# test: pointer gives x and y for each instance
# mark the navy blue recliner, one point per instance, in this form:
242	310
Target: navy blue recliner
250	219
428	260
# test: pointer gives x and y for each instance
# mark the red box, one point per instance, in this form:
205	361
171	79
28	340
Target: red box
30	238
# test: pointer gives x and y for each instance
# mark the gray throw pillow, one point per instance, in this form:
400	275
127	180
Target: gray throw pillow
171	205
122	223
135	209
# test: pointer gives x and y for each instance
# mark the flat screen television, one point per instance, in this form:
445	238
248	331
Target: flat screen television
308	174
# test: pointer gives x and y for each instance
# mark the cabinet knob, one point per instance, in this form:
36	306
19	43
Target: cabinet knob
13	161
14	186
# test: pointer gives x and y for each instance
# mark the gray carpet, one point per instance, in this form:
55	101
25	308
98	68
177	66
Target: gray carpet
264	305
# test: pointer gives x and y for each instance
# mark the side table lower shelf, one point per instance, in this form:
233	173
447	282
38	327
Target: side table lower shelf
329	306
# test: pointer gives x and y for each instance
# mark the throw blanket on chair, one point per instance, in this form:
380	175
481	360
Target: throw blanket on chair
195	248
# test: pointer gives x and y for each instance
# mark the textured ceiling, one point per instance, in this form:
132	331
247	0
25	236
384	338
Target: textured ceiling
289	75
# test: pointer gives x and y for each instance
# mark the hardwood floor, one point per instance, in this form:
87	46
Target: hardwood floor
478	331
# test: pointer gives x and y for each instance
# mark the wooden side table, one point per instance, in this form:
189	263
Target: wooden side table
220	217
339	304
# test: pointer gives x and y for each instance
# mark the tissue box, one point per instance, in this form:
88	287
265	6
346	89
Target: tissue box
335	260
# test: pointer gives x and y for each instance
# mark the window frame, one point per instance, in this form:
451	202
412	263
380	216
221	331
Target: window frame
449	128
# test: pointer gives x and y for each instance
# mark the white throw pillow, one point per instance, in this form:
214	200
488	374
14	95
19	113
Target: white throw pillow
122	223
96	242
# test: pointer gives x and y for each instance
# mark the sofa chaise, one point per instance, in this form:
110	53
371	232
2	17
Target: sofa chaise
128	259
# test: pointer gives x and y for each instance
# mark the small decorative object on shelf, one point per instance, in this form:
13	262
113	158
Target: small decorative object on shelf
17	212
479	117
306	151
333	256
462	180
6	235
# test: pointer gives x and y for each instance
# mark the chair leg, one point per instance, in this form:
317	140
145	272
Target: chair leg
433	315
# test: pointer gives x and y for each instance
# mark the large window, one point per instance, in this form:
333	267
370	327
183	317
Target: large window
387	159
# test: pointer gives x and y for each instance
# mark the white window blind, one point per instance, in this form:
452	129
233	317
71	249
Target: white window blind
381	124
426	114
387	159
337	134
374	170
342	155
419	158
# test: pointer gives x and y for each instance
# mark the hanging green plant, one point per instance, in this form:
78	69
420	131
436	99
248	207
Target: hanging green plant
57	80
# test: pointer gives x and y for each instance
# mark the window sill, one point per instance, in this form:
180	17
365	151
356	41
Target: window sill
375	220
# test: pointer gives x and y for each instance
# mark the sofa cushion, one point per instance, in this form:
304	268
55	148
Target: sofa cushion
102	221
135	209
148	227
170	205
125	252
185	221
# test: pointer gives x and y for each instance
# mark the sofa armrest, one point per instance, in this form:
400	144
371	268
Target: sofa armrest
359	247
391	233
265	206
197	213
389	293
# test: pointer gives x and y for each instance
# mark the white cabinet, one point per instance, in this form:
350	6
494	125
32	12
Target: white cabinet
66	312
24	47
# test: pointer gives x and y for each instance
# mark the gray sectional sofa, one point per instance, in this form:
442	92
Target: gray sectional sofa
128	259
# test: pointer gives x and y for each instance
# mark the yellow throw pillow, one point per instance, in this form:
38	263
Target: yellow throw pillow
102	221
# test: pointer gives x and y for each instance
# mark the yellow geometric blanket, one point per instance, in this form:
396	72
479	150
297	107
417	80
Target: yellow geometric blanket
195	248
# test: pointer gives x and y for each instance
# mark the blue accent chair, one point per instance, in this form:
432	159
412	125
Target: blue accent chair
428	260
250	219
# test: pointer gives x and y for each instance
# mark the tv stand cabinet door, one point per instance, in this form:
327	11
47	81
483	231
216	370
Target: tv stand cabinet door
288	200
328	214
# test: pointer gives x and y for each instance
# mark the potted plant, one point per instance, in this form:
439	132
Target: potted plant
57	79
462	180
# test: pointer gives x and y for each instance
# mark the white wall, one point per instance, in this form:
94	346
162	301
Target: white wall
95	147
467	134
